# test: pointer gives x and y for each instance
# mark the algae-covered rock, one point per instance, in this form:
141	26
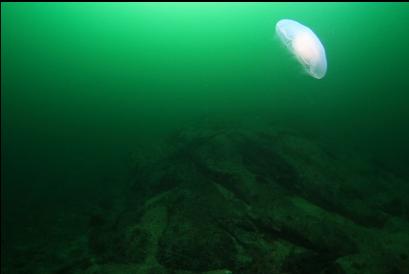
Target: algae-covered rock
240	200
192	239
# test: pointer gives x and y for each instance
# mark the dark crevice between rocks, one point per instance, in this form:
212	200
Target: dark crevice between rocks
269	166
265	163
77	265
228	230
229	181
341	247
290	236
368	218
311	262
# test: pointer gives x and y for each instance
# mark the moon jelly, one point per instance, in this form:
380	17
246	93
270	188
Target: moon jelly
305	45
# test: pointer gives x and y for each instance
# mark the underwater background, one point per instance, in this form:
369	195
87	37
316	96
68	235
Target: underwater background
185	138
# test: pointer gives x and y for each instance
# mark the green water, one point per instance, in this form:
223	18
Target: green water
83	85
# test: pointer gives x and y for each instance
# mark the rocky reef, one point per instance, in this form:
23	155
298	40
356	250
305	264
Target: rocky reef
253	201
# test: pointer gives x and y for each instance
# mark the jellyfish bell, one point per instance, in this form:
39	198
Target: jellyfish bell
305	45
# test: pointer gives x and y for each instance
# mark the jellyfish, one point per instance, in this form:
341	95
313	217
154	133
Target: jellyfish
305	45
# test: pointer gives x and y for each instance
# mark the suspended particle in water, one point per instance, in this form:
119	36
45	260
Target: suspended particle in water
305	45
